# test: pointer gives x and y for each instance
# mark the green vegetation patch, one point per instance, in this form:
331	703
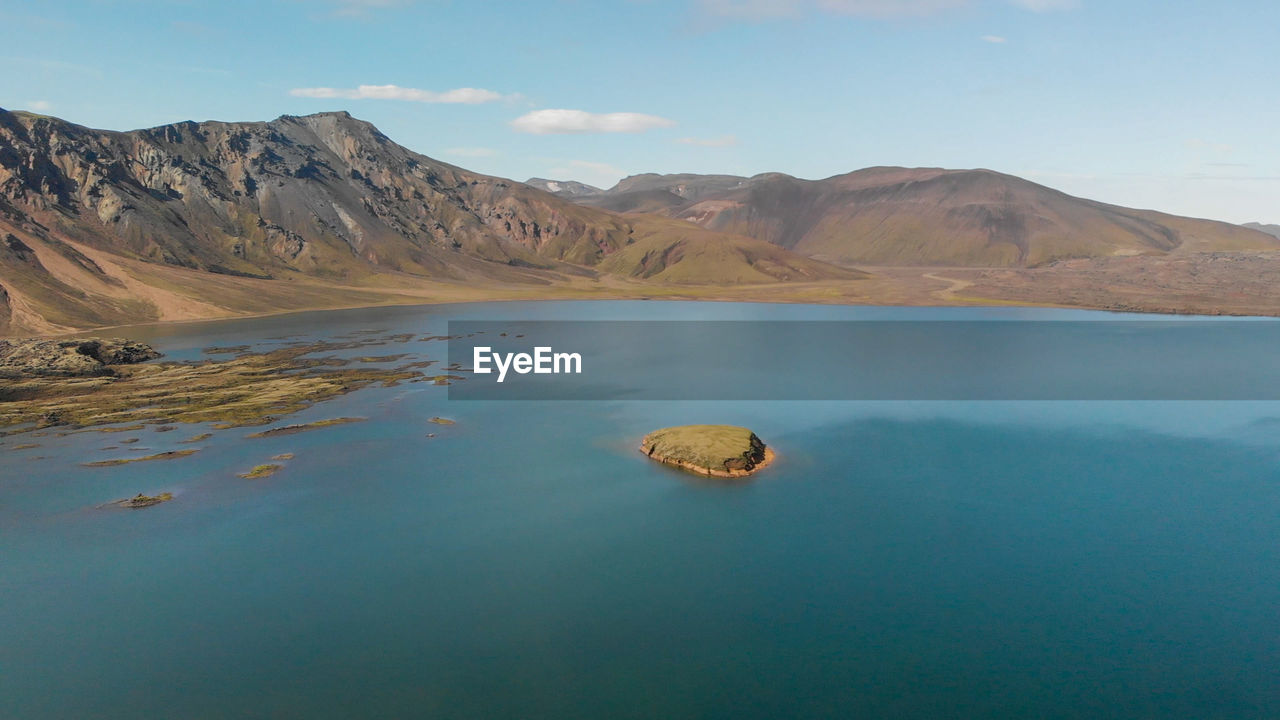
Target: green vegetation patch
250	389
261	471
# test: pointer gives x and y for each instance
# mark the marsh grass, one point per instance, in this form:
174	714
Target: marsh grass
247	390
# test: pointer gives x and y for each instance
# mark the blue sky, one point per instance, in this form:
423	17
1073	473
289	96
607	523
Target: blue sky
1168	105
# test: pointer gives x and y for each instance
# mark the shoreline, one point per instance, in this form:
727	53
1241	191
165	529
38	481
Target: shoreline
769	457
100	330
917	286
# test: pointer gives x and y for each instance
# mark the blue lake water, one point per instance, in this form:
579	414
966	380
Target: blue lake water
901	559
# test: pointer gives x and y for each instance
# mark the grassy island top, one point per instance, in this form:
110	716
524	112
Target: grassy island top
717	450
141	501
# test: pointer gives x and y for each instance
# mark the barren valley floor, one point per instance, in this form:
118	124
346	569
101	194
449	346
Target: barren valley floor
1201	284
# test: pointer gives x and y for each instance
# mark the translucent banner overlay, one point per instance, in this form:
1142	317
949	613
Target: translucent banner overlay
1165	359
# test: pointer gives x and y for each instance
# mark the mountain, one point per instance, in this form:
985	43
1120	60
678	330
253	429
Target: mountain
653	193
212	219
1273	230
649	192
199	219
922	216
563	188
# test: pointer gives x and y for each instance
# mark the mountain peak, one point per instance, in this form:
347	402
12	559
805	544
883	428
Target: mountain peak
1270	229
336	114
563	188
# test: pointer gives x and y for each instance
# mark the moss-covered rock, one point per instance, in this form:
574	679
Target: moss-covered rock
714	450
87	357
141	501
249	389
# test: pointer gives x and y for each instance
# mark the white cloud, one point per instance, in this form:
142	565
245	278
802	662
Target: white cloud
994	39
1046	5
768	9
471	152
559	122
715	142
465	96
39	105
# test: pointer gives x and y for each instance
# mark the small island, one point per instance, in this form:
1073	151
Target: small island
261	471
141	501
724	451
169	455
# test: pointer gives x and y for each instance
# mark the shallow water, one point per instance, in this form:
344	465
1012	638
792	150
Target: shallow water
923	559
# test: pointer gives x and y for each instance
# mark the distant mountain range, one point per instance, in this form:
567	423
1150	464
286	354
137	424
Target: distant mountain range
1273	230
209	219
920	216
567	188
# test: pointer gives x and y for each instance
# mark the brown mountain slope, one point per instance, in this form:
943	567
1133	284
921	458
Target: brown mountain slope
200	219
324	194
902	216
658	201
676	252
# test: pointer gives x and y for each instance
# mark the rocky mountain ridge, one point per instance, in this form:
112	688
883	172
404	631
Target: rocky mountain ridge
922	216
323	197
566	188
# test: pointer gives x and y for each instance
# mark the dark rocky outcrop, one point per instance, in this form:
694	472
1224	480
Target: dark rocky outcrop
88	357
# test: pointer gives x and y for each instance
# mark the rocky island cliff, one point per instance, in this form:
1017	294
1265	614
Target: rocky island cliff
725	451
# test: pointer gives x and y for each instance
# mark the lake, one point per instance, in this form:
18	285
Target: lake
905	559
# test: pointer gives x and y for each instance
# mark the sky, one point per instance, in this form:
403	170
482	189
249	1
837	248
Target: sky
1171	105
